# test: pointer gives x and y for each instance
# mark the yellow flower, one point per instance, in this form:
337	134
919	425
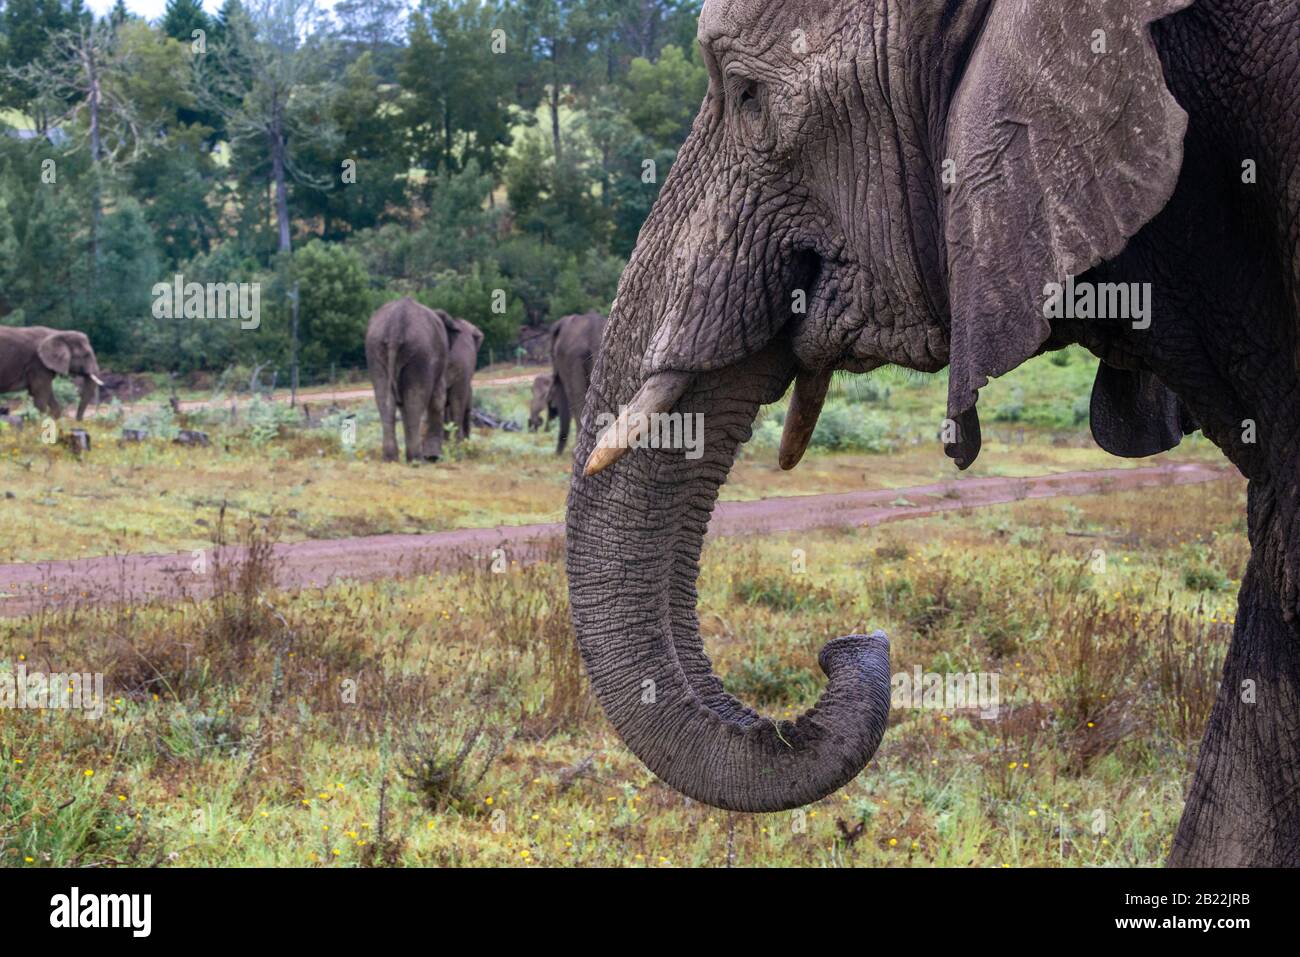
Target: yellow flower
88	773
893	842
488	799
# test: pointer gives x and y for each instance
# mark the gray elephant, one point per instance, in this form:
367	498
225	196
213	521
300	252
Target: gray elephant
31	356
960	183
575	343
542	403
462	360
407	349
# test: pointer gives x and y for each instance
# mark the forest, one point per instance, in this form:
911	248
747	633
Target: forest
492	159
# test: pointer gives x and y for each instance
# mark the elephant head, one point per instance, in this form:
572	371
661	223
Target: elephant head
70	354
867	183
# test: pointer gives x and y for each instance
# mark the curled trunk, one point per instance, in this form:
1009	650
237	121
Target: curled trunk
635	533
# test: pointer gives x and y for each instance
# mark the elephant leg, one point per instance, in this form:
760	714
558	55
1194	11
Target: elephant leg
467	412
414	401
436	415
387	419
456	411
41	389
1242	809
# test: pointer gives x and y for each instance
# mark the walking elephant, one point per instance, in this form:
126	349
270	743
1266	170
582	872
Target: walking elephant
31	356
575	343
462	360
959	183
407	350
542	403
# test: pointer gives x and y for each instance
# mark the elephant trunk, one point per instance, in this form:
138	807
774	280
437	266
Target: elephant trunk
635	534
88	391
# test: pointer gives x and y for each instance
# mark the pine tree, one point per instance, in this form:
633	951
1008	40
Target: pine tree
182	18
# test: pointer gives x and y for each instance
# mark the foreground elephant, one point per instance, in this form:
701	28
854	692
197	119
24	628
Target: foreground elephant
462	360
939	180
31	356
407	348
542	403
575	343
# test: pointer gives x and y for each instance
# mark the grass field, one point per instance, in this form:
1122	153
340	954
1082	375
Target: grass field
157	496
446	720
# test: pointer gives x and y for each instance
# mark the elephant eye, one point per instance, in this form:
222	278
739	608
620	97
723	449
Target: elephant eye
749	99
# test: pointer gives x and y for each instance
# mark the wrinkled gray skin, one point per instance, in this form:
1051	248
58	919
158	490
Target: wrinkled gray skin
462	360
543	403
575	343
821	169
407	346
31	356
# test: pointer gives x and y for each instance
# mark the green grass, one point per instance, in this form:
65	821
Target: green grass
445	720
877	432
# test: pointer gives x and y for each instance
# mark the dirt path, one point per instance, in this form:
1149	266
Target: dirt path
92	581
317	395
353	395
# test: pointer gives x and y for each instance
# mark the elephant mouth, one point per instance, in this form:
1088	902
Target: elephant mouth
637	519
663	390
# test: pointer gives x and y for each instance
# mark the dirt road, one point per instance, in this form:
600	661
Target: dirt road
327	396
92	581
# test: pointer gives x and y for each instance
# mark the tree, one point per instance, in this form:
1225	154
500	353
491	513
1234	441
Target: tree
560	35
662	97
334	306
267	84
175	171
369	179
182	18
457	88
376	27
28	27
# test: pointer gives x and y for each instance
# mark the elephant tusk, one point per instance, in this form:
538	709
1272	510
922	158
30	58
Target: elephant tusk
96	379
659	393
801	418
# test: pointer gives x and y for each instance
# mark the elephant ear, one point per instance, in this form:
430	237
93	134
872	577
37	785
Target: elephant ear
1065	141
54	353
448	322
1135	415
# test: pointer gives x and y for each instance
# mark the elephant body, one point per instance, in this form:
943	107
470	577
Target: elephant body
462	360
31	356
543	403
575	344
407	349
929	179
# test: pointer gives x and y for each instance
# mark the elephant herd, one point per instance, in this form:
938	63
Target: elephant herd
421	362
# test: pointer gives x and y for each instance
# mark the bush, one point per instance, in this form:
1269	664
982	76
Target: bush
334	305
1201	577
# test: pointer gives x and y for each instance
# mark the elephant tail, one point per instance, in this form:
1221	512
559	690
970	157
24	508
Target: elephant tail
391	372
